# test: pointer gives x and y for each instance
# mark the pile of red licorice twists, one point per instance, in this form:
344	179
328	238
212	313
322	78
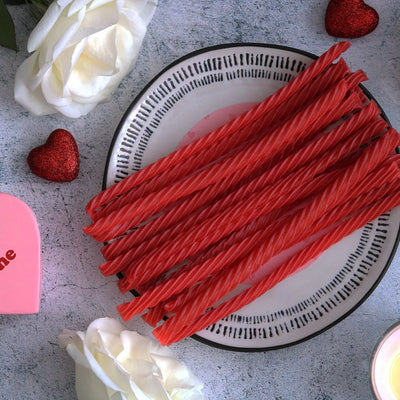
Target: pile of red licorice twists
315	160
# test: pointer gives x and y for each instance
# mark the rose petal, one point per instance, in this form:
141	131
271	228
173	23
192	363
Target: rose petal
67	337
66	30
144	379
98	370
98	3
31	99
75	110
77	5
187	394
96	21
102	17
135	346
65	64
109	325
45	25
53	91
176	374
55	42
88	385
133	23
152	388
74	347
84	86
101	50
144	8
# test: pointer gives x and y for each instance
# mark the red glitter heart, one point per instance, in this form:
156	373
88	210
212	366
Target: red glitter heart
350	18
58	159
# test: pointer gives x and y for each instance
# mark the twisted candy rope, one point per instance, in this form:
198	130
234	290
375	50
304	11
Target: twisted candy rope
285	270
254	155
230	218
206	141
213	191
193	308
344	108
384	184
246	190
303	222
202	198
380	179
263	125
325	119
226	250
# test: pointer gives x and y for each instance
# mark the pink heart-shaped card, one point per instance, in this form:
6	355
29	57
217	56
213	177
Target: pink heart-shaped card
20	258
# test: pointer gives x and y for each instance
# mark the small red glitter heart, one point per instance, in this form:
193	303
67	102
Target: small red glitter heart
350	18
58	159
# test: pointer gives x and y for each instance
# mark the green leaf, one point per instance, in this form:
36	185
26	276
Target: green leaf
7	30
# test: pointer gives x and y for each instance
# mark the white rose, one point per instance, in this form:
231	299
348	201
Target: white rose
116	364
81	51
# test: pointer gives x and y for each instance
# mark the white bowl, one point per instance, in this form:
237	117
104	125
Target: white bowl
190	91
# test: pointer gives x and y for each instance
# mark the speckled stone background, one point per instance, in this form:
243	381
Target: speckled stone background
331	366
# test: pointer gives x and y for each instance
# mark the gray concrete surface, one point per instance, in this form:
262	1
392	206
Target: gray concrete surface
331	366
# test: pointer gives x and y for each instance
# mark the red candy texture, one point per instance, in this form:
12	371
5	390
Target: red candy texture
58	159
350	18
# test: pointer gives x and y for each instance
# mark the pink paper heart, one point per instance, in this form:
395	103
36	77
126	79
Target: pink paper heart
20	258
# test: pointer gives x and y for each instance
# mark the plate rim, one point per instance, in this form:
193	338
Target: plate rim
256	45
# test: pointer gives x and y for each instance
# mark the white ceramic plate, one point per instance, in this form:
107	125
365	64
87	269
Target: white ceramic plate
166	110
